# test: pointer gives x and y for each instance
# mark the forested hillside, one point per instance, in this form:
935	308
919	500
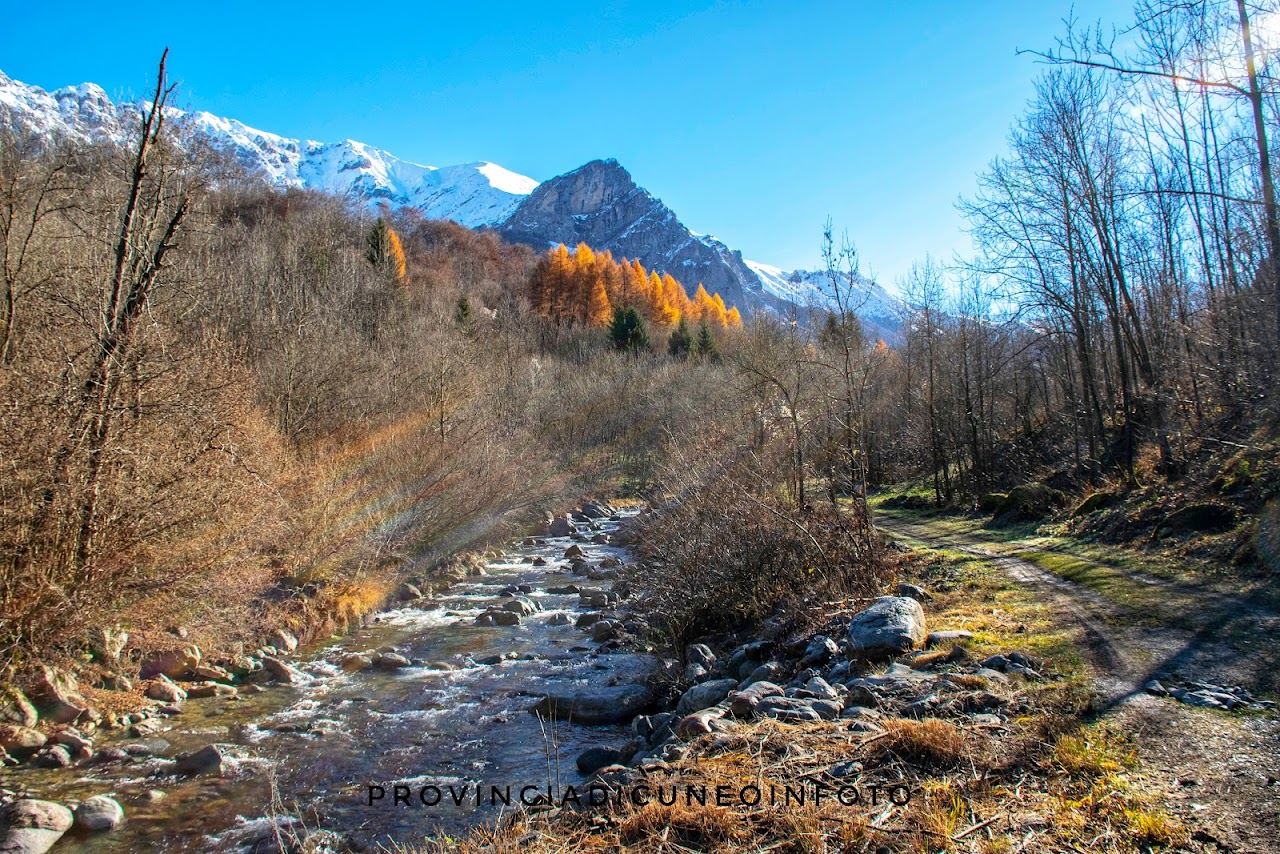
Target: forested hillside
1117	329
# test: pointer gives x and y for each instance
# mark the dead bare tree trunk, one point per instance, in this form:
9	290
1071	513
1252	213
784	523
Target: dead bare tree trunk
146	235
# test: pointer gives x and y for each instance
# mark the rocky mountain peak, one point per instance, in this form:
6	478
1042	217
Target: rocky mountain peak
587	191
601	205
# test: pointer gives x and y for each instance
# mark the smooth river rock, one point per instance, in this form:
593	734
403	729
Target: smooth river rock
743	703
284	672
609	705
99	813
171	662
210	759
56	695
19	741
593	759
705	695
32	827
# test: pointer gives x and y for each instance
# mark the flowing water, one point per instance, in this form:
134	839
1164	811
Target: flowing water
311	752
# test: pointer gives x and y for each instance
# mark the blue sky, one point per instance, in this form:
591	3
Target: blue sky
754	120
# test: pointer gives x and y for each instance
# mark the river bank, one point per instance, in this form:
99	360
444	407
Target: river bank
436	689
959	712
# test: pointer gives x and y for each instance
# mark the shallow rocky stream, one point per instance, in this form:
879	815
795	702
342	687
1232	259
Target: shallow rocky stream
310	752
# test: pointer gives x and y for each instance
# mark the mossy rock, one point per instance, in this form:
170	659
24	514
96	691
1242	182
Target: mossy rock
990	502
908	501
1031	502
1236	476
1097	501
1198	519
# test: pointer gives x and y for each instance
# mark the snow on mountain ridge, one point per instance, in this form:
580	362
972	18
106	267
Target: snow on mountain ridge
813	289
471	194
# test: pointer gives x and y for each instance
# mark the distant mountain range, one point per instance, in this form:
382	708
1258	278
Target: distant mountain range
597	203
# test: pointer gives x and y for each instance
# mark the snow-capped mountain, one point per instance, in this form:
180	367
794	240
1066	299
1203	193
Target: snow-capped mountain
879	309
598	203
472	194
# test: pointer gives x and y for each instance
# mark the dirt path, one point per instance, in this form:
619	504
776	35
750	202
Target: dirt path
1220	772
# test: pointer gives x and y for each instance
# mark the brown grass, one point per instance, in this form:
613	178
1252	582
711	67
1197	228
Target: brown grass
968	680
925	660
927	743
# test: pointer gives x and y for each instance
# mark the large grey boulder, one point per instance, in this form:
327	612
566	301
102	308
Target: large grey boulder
893	625
79	746
284	640
56	695
171	662
392	661
792	709
818	652
593	759
211	759
282	671
819	688
705	695
770	671
604	630
694	672
498	617
654	730
205	690
560	526
57	756
595	510
588	619
521	605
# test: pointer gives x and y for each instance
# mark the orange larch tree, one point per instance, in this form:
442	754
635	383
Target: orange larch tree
718	310
585	286
675	299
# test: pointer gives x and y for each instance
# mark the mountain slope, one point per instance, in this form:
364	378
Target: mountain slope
599	204
879	310
472	194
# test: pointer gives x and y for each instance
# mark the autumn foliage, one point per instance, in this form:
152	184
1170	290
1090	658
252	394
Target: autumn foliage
385	251
586	286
